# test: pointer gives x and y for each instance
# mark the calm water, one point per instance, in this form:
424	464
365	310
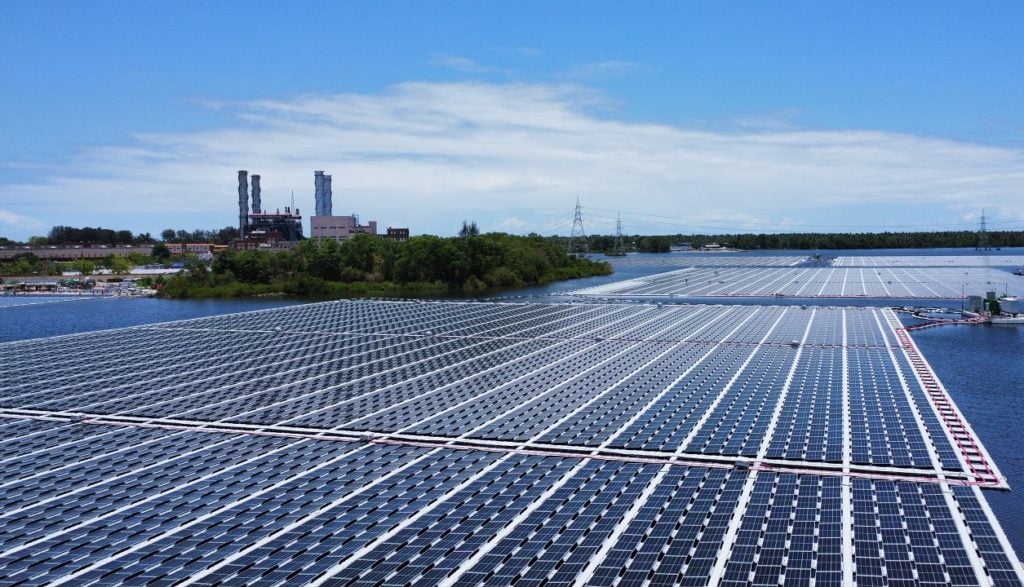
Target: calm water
983	369
24	317
982	366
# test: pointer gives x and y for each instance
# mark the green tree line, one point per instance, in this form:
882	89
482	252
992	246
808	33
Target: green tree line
806	241
70	235
367	264
862	240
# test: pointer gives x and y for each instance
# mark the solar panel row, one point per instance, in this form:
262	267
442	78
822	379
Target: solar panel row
813	282
930	261
245	508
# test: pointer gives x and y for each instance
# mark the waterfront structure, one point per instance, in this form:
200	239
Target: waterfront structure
449	443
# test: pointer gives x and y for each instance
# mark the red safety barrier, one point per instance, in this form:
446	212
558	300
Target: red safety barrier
965	442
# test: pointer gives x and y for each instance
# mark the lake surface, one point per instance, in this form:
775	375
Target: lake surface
981	366
23	317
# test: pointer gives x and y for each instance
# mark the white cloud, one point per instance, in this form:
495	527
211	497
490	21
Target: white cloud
18	227
435	153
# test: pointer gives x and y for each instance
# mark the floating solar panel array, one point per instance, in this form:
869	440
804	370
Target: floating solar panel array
816	282
493	443
931	261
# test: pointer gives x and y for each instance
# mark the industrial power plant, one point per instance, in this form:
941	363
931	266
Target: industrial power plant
260	229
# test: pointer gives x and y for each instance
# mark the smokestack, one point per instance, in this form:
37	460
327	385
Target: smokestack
243	201
328	206
318	193
256	194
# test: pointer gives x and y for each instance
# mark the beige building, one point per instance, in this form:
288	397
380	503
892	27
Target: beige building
340	228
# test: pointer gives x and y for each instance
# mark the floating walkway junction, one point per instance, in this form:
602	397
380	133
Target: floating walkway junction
458	443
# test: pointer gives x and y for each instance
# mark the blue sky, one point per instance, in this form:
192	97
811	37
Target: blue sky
684	116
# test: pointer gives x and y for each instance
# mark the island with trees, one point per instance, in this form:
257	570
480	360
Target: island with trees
425	265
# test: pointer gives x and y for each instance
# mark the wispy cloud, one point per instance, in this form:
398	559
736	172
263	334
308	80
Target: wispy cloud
604	69
515	157
17	224
525	51
463	64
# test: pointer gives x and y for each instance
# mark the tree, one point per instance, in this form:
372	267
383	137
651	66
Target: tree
118	265
469	229
38	241
22	265
225	235
320	257
84	266
359	252
167	234
160	251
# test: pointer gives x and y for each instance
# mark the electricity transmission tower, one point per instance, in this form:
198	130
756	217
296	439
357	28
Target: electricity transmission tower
618	249
578	239
982	234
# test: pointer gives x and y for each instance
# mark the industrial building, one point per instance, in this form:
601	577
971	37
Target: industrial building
259	229
399	235
324	224
70	253
340	228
